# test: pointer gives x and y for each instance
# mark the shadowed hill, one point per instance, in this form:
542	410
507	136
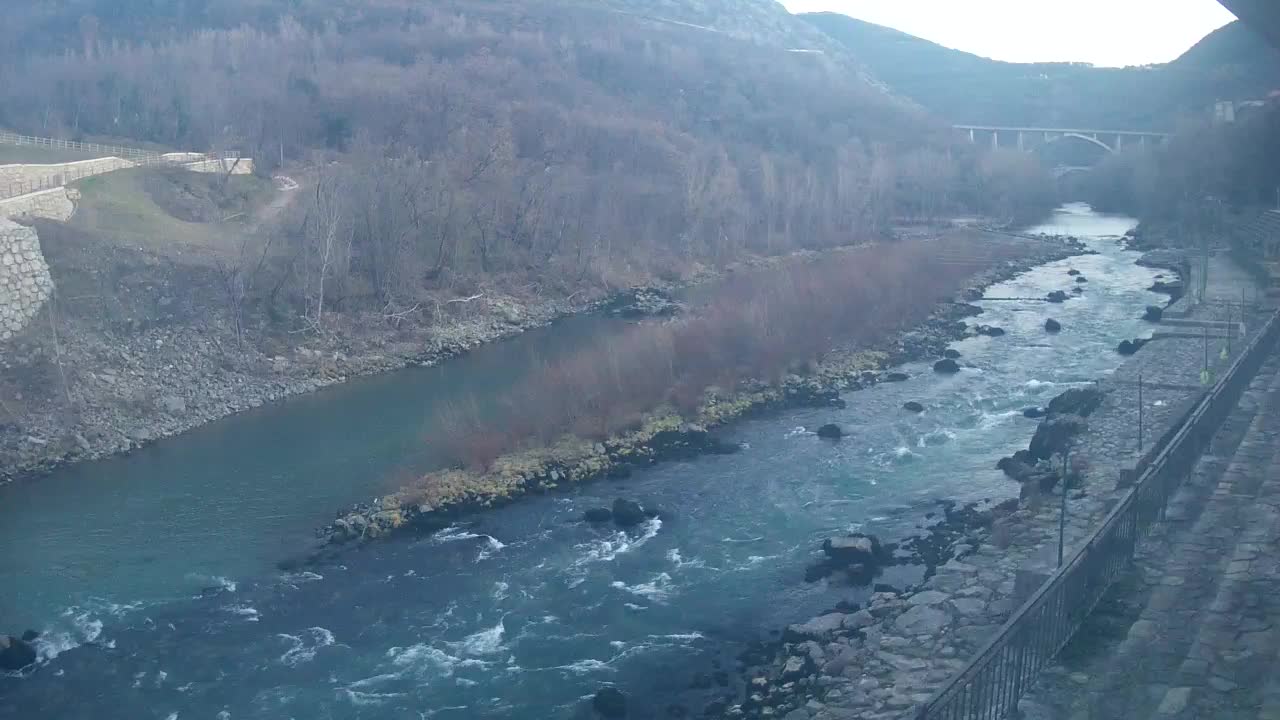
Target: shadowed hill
1231	63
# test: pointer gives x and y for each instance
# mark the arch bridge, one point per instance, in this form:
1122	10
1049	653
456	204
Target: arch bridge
1029	138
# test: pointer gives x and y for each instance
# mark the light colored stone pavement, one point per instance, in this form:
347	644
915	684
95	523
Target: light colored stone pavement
1193	633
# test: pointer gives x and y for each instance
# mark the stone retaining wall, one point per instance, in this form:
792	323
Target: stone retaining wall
55	204
242	166
25	282
26	178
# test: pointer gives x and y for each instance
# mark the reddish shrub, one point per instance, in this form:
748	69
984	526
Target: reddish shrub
759	325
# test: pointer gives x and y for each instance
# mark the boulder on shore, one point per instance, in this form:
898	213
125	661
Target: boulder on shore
830	431
1168	287
1154	313
1130	347
1055	435
1052	325
1076	401
609	702
1057	296
16	653
628	513
597	515
946	366
913	406
951	354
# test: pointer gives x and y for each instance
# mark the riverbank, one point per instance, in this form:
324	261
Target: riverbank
438	498
119	375
889	657
520	611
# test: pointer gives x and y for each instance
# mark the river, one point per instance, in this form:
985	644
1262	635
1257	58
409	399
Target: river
525	612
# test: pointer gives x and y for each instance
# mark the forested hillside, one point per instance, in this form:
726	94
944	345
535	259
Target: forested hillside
599	142
1231	63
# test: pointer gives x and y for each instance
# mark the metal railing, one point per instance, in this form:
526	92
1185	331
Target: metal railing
72	171
119	151
991	684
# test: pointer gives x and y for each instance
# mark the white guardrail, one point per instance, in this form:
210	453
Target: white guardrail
59	174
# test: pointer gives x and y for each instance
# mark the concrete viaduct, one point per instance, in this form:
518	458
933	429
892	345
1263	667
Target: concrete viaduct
1028	138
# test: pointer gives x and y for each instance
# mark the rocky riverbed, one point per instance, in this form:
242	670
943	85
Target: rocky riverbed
885	659
440	497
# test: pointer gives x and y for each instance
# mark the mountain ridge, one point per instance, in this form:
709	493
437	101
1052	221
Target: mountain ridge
965	88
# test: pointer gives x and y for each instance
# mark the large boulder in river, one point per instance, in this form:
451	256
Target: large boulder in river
597	515
1073	271
1057	296
1154	313
1055	435
913	406
1034	413
896	377
1076	401
628	513
951	354
16	653
1052	326
856	549
946	366
990	330
609	702
1082	279
831	431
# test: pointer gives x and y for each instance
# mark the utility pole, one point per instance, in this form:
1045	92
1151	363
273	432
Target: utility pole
1062	512
1140	411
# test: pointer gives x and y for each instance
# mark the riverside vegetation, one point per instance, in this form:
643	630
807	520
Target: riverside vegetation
795	336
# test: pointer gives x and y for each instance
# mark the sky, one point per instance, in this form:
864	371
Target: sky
1103	32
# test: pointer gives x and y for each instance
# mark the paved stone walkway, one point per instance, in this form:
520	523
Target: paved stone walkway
1193	633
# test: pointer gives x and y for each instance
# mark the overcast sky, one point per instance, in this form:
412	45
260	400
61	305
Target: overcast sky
1102	32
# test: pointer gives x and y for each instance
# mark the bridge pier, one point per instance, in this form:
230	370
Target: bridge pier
1021	143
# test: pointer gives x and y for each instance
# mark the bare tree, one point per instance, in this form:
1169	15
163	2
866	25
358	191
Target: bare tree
327	238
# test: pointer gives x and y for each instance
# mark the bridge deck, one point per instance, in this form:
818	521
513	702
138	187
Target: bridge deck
1001	128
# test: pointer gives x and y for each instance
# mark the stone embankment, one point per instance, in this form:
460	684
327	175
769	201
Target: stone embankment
25	283
53	204
132	386
884	660
440	496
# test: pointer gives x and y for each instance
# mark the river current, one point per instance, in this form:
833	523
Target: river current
526	611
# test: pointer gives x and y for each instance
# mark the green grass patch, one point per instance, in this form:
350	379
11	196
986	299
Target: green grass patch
39	155
137	208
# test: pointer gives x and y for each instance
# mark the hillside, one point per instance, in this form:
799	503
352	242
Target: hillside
1230	63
